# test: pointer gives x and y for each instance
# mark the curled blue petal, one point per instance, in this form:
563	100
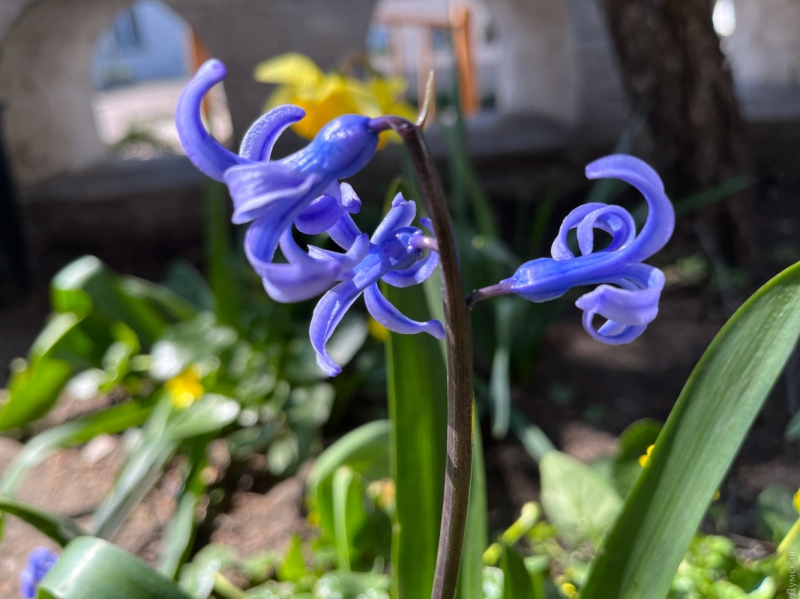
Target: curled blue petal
327	315
628	308
386	314
255	188
344	232
264	234
349	198
416	274
306	275
614	220
628	292
261	136
660	222
40	561
401	214
392	255
203	150
322	213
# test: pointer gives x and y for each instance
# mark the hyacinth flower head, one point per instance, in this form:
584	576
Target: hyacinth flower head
628	291
395	255
40	561
300	189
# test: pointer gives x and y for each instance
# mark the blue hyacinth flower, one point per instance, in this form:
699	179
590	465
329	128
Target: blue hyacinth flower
395	255
40	561
628	292
301	189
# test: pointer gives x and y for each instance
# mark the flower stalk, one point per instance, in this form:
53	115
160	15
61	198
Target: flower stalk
459	361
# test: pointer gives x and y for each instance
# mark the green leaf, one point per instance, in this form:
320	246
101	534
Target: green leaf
470	577
348	513
500	382
91	567
110	421
171	303
62	530
225	285
185	280
180	531
417	389
294	566
365	450
517	582
164	433
698	444
198	576
633	444
579	503
187	342
776	512
533	439
87	285
33	391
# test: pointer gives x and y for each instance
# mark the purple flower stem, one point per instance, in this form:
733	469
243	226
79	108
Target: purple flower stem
486	293
458	330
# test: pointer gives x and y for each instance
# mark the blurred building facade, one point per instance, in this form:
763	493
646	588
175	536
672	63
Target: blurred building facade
549	65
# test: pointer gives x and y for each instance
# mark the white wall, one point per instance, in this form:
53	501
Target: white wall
538	72
765	46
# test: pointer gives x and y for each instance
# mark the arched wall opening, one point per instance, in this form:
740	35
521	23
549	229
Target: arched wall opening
141	64
46	86
47	46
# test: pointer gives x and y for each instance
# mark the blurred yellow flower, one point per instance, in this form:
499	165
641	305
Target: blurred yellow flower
186	387
644	460
377	330
569	590
325	96
797	500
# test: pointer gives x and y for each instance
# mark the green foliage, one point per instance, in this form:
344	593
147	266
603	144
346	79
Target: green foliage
180	376
698	443
418	408
578	502
91	567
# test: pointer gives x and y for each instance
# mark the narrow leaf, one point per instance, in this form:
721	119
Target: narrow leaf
517	583
91	567
698	444
417	390
470	576
62	530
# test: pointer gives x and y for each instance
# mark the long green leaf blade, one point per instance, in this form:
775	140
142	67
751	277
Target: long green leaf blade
698	444
470	576
91	567
113	420
417	385
62	530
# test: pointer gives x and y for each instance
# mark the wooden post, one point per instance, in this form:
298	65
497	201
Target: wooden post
461	28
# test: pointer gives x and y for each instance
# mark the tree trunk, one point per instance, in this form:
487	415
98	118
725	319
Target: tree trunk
671	59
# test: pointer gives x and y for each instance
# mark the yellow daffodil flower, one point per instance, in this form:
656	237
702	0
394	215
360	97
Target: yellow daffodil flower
185	388
325	96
